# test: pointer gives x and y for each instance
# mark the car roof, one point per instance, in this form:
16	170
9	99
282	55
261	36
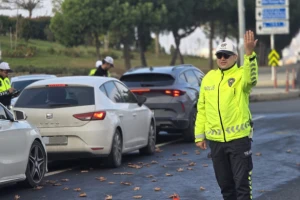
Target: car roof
73	80
173	70
32	77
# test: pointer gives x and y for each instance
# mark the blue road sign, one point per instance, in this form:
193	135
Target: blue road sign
273	24
273	2
274	13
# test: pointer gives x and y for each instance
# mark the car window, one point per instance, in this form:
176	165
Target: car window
147	80
102	88
191	78
182	77
199	75
20	85
52	97
127	95
113	92
3	115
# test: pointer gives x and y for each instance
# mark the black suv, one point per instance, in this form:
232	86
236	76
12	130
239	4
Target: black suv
172	93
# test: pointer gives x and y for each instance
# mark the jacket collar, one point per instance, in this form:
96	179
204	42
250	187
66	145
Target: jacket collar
229	70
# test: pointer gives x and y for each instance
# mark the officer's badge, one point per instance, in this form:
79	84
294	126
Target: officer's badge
231	81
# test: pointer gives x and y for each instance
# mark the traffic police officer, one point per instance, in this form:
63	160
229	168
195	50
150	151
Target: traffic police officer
6	90
103	70
224	118
98	64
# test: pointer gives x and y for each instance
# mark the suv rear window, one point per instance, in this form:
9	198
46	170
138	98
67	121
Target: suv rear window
20	85
54	97
147	80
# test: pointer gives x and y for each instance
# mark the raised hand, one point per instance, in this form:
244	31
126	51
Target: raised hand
249	42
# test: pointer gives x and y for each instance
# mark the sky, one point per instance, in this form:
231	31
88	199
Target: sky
194	44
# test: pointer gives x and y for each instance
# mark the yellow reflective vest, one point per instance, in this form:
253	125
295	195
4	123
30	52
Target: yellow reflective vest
92	72
4	84
223	105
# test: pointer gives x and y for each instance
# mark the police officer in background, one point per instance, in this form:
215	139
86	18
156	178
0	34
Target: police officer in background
224	118
97	65
6	91
103	70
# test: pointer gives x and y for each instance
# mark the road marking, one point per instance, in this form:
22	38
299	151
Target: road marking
57	172
166	143
258	117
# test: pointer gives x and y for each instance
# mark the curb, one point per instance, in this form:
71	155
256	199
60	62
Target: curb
274	96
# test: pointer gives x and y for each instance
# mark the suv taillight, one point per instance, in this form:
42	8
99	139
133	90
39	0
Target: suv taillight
174	93
91	116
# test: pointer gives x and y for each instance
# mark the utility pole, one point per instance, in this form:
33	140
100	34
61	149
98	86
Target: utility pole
242	27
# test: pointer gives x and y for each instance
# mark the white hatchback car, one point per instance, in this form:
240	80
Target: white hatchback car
20	82
89	116
22	152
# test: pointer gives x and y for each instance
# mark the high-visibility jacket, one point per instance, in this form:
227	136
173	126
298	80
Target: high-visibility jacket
92	72
5	96
223	105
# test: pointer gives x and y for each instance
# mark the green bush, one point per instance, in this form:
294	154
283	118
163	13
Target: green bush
51	51
22	51
112	54
70	52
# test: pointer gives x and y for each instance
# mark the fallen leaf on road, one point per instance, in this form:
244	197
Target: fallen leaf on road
174	196
149	176
66	188
126	183
157	189
101	179
123	173
108	197
136	188
154	162
184	153
158	150
175	154
135	166
111	183
140	163
258	154
167	174
153	180
38	187
205	165
84	171
57	184
164	166
289	151
171	159
192	164
189	168
77	189
197	152
180	170
202	188
138	197
17	197
64	180
83	194
179	158
51	182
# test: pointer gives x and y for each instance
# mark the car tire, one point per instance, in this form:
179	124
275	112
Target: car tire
114	159
36	167
150	148
189	133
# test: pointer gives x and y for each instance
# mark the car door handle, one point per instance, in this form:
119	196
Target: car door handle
121	115
134	114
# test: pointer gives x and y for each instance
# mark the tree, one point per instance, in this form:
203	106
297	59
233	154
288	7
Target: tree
28	5
56	5
78	18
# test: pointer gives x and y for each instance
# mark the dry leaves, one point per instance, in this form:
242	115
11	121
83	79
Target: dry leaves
126	183
174	196
289	151
77	189
101	179
50	181
64	180
167	174
205	165
157	189
154	162
164	166
17	197
123	173
149	176
197	152
66	188
57	184
189	168
258	154
192	164
175	154
82	194
111	183
153	180
180	169
108	197
136	188
135	166
202	188
38	187
84	171
138	197
158	150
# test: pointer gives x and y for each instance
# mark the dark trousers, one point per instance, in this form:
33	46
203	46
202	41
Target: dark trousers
232	163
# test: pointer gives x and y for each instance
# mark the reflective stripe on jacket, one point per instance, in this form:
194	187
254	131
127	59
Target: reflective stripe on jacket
223	106
4	85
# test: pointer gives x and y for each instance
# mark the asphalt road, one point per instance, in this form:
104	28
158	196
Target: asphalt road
276	174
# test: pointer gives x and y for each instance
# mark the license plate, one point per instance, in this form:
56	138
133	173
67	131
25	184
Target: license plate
55	140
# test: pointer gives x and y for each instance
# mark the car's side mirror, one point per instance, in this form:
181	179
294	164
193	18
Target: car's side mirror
20	115
141	99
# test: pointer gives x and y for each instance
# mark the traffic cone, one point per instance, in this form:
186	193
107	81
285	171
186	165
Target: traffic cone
287	81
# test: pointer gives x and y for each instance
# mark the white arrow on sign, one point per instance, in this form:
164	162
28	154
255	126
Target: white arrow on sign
272	13
260	3
272	27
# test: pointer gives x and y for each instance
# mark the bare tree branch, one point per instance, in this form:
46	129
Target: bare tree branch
28	5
